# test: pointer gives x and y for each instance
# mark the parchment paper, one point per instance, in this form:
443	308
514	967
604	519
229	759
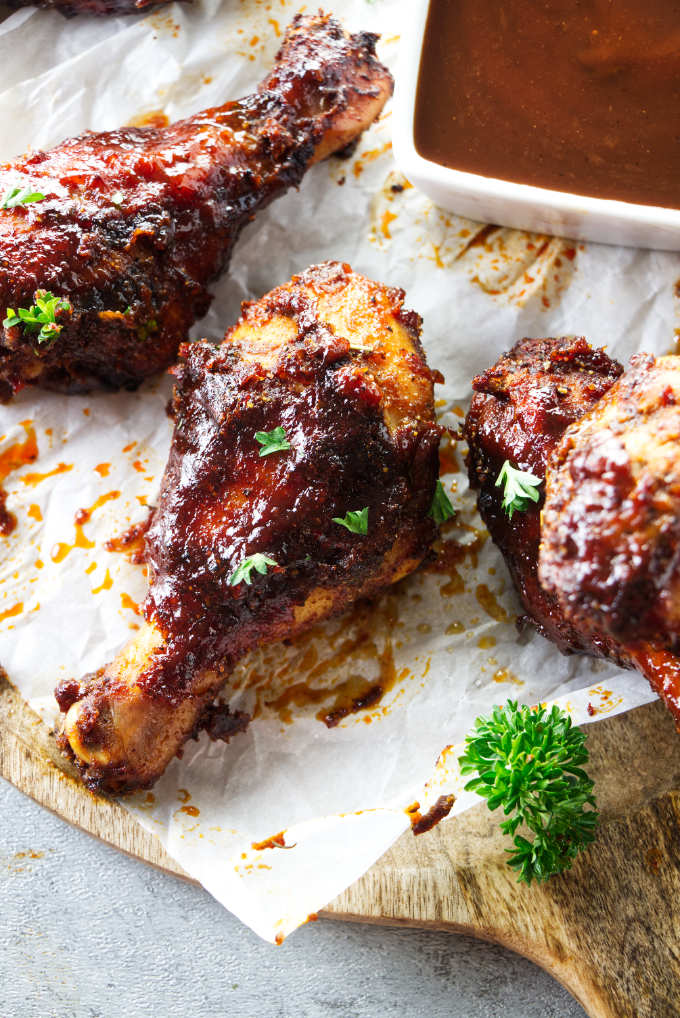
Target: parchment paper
338	794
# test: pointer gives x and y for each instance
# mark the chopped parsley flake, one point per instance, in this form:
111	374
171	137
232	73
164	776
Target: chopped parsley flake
258	562
356	521
272	441
521	488
14	196
441	509
41	318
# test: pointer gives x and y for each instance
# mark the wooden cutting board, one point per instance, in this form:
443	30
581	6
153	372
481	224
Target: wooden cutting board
609	930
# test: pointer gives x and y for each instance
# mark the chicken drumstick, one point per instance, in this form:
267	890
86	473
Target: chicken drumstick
520	409
610	534
248	546
596	560
108	242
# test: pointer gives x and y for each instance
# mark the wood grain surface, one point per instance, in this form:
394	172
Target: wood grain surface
609	930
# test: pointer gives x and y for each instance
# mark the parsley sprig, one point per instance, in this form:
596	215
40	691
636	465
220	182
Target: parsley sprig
258	562
356	520
528	760
41	317
14	196
272	441
441	509
521	488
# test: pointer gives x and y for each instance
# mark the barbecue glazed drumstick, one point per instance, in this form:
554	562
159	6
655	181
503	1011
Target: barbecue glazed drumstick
335	361
596	560
520	410
137	222
610	534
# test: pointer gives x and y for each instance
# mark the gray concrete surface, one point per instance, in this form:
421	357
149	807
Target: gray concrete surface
86	932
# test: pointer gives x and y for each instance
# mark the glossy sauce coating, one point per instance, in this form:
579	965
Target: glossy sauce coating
596	560
335	360
582	97
137	222
520	410
610	545
222	502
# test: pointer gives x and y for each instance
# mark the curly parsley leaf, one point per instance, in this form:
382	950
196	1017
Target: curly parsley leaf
529	762
356	520
521	488
272	441
41	317
441	509
258	562
14	196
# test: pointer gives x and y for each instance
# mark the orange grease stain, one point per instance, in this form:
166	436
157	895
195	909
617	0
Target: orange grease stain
153	118
33	479
505	675
388	217
106	583
192	811
12	612
369	157
127	603
276	841
20	453
17	455
61	550
489	603
354	694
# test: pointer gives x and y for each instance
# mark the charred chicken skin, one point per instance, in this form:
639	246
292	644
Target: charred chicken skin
246	548
135	223
596	560
519	412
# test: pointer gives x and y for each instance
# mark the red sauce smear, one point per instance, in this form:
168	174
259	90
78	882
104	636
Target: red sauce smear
420	823
131	542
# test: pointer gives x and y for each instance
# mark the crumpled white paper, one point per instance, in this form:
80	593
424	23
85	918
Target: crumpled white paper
67	604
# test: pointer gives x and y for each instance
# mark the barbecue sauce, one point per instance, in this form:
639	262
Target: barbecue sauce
580	97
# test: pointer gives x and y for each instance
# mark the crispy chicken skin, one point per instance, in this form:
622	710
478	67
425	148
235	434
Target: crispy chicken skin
520	410
335	360
137	222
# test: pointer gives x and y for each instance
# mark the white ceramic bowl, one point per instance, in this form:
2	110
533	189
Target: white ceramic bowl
500	201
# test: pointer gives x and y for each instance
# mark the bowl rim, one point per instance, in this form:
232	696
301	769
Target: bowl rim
474	185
